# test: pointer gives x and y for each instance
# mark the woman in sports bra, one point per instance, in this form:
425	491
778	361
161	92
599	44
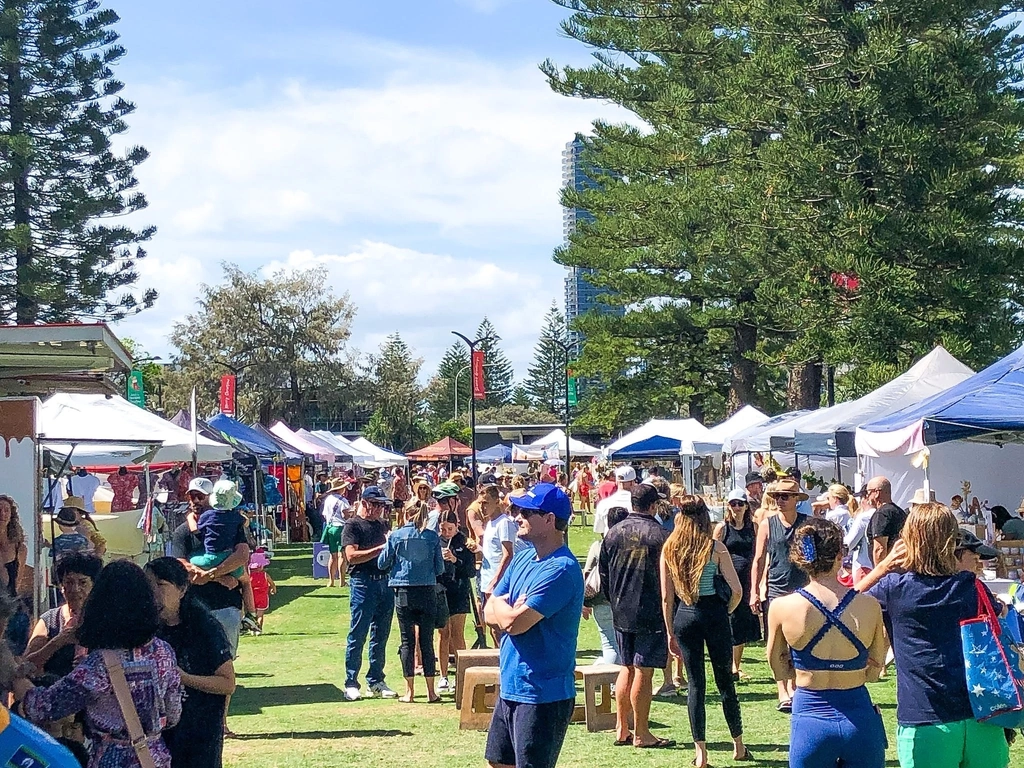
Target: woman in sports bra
831	639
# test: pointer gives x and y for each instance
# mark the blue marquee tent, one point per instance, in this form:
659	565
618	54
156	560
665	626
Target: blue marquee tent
494	454
238	432
987	407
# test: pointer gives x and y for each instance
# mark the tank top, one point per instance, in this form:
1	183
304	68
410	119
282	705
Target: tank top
707	578
783	576
740	543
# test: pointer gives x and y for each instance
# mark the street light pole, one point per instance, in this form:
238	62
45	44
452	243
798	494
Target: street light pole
566	347
472	400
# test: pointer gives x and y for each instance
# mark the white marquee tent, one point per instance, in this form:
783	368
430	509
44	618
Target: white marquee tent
719	435
556	439
659	437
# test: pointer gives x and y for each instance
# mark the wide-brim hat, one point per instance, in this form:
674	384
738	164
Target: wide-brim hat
66	516
787	485
75	502
921	497
225	495
340	484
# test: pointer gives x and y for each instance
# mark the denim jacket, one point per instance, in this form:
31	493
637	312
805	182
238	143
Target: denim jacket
412	556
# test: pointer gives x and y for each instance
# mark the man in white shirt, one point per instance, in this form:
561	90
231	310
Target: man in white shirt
625	476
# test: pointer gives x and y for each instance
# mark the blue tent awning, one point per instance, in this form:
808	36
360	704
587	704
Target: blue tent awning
237	432
652	446
495	453
988	404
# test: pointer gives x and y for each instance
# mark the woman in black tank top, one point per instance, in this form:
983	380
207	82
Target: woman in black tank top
737	533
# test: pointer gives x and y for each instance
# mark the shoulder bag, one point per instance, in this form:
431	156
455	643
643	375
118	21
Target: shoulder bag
131	715
993	682
722	589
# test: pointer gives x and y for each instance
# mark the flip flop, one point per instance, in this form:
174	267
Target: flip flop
745	756
435	700
786	706
657	744
626	742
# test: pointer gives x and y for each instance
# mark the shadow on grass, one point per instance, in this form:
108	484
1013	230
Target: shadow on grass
286	594
244	675
317	735
252	701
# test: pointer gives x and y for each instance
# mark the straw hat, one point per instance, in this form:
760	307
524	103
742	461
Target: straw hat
920	497
787	485
340	484
75	502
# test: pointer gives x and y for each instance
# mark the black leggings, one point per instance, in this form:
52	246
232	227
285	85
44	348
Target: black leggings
707	622
416	607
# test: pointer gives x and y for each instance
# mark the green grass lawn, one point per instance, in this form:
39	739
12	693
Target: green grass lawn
289	709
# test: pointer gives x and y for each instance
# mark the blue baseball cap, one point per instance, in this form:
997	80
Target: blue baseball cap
375	495
546	498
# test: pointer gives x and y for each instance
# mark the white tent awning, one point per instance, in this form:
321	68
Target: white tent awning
556	439
746	417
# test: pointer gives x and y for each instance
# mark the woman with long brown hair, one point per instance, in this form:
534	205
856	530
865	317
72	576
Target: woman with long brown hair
737	533
691	563
924	596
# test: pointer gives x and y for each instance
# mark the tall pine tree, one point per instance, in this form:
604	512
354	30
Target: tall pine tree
545	378
815	184
60	178
499	376
397	417
440	395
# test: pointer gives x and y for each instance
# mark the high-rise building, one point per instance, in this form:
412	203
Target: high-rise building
580	295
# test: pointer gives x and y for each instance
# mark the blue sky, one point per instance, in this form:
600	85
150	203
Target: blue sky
411	147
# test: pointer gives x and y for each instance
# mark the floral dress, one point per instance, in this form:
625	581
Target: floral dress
152	673
123	487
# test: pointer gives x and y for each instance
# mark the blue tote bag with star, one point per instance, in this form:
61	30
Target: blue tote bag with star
993	661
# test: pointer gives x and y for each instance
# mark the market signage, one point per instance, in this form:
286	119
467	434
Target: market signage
136	393
227	394
479	385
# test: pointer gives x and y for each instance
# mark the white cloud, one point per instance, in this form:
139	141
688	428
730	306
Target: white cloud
430	193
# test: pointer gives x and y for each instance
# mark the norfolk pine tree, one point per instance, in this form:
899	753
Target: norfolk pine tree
60	106
499	376
545	378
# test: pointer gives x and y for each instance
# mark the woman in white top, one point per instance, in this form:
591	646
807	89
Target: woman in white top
841	506
858	542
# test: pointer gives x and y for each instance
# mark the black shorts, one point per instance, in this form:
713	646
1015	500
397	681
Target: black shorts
528	735
643	649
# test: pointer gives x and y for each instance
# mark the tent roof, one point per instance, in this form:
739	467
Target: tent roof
818	433
557	438
289	451
383	456
232	429
445	448
746	417
989	407
758	437
496	453
342	447
67	418
659	437
312	448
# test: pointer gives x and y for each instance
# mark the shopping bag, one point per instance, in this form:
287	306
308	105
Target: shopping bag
991	684
1012	638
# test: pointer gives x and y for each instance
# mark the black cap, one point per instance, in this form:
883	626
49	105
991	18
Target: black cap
967	540
375	495
753	477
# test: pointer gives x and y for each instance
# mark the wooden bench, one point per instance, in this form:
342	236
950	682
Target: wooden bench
482	688
598	678
486	657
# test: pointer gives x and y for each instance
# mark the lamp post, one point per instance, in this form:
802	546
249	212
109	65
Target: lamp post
472	400
566	347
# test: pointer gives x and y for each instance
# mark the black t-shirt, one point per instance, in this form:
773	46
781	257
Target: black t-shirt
201	648
184	544
888	521
364	534
630	576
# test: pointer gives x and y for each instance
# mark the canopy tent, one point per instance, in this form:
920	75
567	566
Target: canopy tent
498	454
382	456
831	431
343	447
232	430
987	407
183	419
746	417
521	453
66	419
758	437
312	448
341	453
659	437
444	449
556	438
292	454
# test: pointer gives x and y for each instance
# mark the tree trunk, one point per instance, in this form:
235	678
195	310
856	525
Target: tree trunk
26	306
804	390
743	374
298	412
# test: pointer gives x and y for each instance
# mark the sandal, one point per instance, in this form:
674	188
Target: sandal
626	742
657	744
435	700
745	756
786	706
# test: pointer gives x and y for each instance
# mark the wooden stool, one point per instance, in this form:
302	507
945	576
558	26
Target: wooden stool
483	686
598	677
486	657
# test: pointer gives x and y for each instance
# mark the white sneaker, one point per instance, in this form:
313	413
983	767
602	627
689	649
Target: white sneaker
444	685
352	694
383	691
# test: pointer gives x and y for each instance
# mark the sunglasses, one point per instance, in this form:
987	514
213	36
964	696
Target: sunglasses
783	496
737	503
526	514
196	495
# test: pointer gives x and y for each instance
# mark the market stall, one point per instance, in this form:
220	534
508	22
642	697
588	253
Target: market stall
658	438
382	456
556	439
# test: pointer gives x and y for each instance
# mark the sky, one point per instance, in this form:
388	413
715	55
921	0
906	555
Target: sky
412	147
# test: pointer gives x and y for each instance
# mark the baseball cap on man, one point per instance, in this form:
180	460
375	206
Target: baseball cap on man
753	477
375	495
967	540
201	485
547	498
625	474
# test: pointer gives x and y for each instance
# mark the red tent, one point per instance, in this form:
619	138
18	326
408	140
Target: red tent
445	449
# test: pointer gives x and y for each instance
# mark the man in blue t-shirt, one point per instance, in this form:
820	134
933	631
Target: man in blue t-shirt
536	604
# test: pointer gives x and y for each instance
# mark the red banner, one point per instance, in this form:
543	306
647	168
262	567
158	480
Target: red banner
479	385
227	394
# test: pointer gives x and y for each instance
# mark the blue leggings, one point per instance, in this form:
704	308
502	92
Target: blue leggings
836	728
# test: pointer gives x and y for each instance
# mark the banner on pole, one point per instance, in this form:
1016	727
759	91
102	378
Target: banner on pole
227	394
572	391
479	385
136	394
